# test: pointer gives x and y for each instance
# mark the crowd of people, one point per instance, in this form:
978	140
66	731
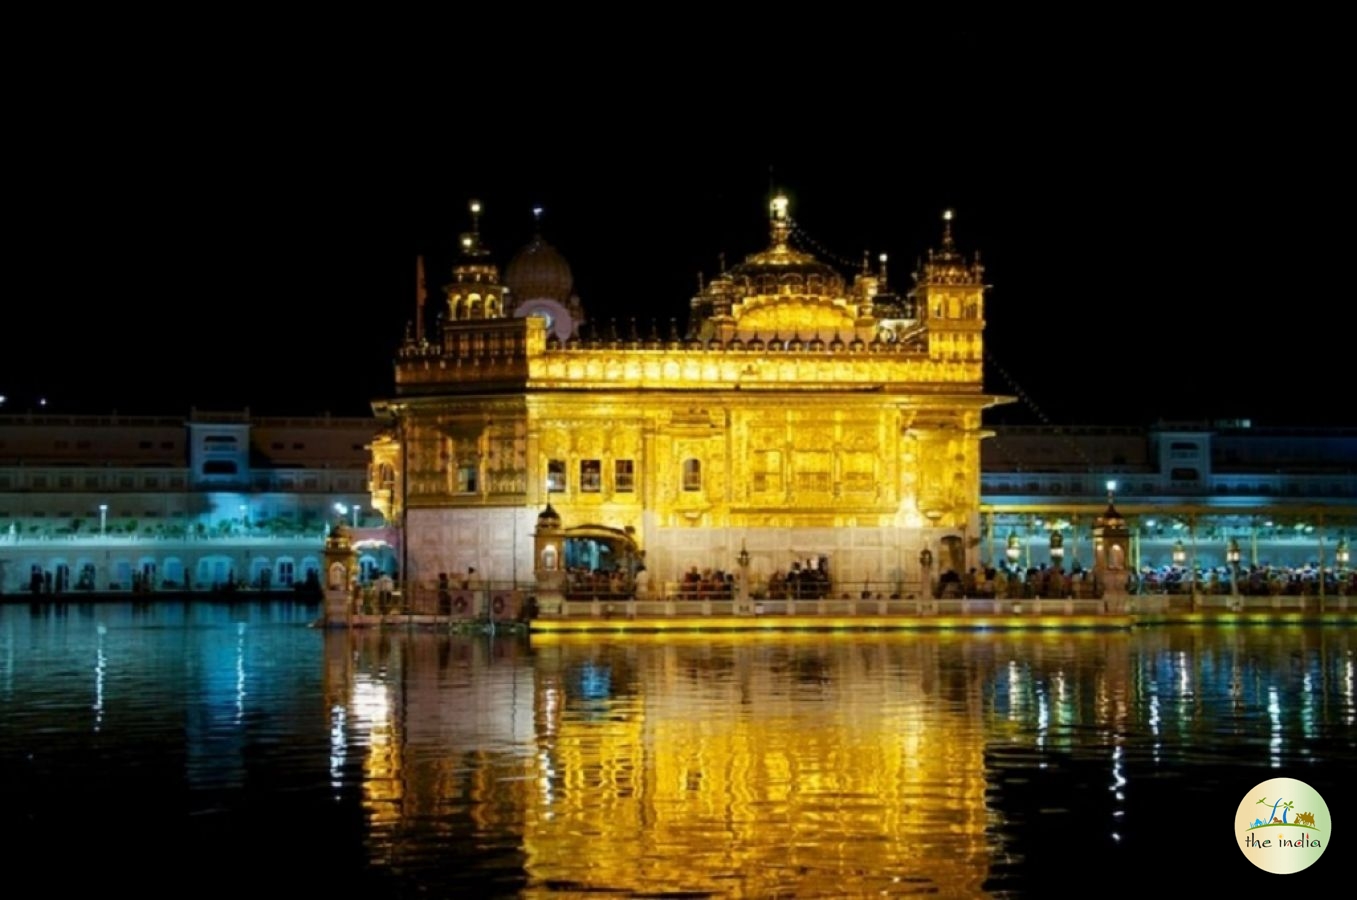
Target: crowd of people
590	584
803	582
1251	581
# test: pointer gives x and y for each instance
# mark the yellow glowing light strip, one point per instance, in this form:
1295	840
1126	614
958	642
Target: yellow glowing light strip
778	623
822	637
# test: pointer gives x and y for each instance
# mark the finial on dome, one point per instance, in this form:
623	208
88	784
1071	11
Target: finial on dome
476	217
780	220
421	294
537	218
948	245
883	259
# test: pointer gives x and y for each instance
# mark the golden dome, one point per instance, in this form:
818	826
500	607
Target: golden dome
539	272
782	269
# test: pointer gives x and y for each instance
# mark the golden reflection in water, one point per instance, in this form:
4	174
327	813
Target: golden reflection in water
807	765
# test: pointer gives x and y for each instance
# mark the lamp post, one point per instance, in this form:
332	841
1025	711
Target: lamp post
1192	532
1057	547
1013	550
356	507
1341	557
1232	557
742	560
925	564
244	520
1179	554
103	519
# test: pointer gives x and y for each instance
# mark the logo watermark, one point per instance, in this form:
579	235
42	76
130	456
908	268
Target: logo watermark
1283	826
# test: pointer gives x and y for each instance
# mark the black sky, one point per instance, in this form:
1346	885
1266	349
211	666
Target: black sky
1166	226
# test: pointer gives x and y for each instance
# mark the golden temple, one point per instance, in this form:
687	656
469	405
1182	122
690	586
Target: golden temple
802	418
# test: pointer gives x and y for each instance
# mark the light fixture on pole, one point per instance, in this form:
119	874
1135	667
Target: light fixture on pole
356	507
1232	557
1341	555
1232	553
1013	550
244	520
103	519
1057	547
1179	553
742	560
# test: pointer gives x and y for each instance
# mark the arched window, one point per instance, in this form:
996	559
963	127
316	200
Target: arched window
692	475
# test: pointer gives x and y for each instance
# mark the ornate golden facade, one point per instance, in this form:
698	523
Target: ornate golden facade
803	416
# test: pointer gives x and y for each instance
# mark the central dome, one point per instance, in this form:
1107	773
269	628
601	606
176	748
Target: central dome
785	271
782	269
539	272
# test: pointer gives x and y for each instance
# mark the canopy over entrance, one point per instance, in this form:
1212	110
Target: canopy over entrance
600	548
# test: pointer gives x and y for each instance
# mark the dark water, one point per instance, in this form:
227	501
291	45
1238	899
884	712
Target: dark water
175	748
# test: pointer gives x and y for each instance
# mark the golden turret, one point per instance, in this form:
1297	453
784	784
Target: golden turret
949	298
475	291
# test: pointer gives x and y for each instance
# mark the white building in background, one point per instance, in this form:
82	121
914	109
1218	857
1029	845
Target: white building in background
1191	493
173	503
167	503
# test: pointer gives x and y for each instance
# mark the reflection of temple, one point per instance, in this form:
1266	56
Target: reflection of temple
809	765
803	768
802	416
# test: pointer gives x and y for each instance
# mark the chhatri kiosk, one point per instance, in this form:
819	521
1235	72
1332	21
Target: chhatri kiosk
805	419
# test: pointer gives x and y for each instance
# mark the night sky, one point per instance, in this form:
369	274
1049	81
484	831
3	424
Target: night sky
1167	234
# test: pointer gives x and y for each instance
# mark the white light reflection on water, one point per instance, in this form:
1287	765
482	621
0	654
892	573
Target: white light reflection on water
1043	723
1154	722
1307	710
1274	711
240	672
1118	783
338	741
100	669
1348	690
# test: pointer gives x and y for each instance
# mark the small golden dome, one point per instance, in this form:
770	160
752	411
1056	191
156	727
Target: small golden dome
548	519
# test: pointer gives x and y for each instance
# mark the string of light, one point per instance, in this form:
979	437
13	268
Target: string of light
1032	404
820	249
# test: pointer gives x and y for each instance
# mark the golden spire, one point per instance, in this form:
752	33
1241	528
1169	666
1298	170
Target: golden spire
883	272
948	244
471	241
421	293
537	220
780	221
